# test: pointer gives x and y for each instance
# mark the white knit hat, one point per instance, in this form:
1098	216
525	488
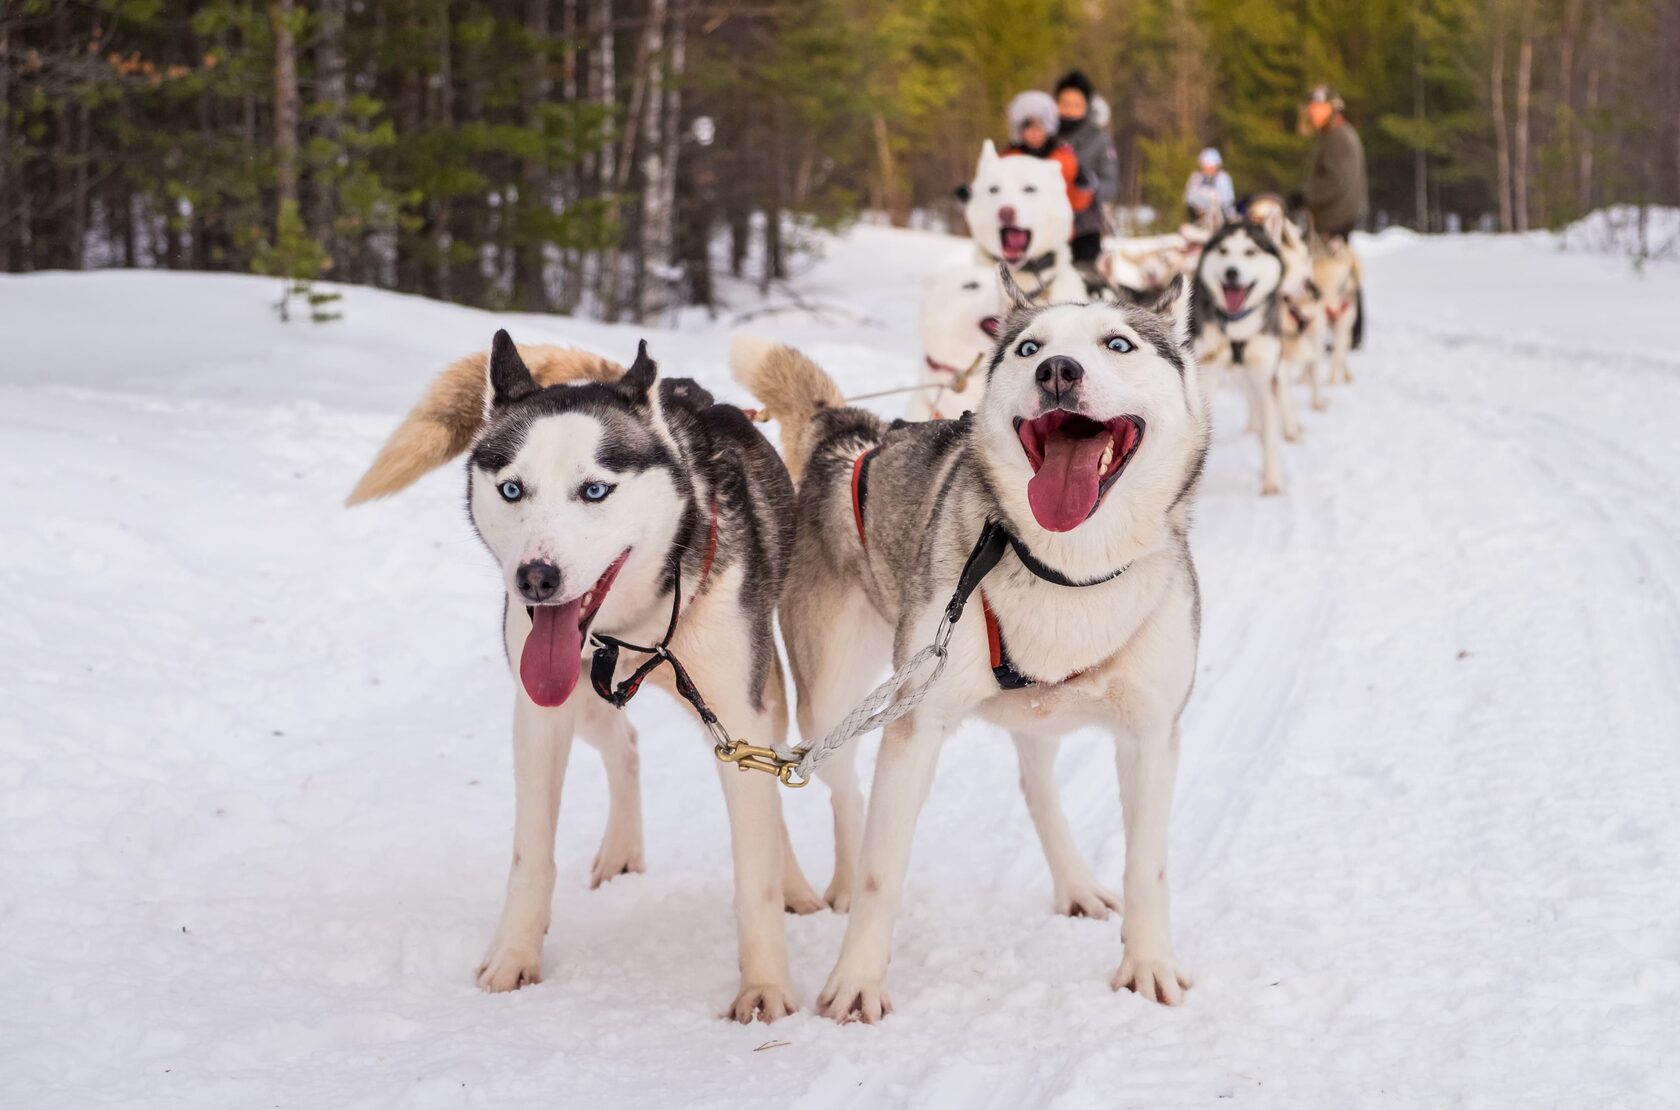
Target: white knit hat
1033	106
1209	157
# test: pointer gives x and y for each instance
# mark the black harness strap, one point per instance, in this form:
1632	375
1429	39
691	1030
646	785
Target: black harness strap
1238	347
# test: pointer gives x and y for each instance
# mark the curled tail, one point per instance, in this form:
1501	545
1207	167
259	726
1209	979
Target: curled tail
442	425
791	388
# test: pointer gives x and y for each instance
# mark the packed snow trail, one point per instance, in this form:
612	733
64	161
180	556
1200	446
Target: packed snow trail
256	792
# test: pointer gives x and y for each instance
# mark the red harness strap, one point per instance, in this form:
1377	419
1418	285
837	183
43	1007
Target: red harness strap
1339	311
860	490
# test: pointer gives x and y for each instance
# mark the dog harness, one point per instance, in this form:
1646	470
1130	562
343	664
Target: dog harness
994	540
1338	311
605	662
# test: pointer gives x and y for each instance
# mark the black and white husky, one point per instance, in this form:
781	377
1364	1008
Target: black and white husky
1239	306
1074	478
622	507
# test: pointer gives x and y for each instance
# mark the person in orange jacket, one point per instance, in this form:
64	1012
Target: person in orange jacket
1033	121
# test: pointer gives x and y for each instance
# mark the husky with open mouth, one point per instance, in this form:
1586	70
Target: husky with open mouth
623	511
1239	308
1073	481
1018	212
962	309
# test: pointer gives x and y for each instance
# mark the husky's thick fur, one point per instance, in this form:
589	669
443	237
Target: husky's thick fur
1087	446
1020	217
1239	304
608	499
1337	273
962	309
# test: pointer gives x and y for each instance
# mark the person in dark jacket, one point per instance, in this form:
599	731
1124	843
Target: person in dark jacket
1084	127
1335	193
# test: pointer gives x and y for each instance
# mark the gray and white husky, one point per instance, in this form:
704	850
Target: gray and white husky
1239	307
1076	475
621	506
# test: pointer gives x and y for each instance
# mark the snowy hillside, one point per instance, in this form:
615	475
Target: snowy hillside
256	786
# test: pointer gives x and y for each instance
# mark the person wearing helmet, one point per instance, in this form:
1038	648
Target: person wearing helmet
1033	124
1208	194
1335	192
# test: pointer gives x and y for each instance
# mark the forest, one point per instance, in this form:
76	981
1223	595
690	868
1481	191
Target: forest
610	157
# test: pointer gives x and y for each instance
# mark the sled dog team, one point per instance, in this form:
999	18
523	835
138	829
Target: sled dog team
647	533
1268	299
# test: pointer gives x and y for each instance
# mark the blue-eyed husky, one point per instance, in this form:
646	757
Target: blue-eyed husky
623	509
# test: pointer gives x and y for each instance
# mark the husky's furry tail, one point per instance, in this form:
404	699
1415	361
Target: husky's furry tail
791	388
447	418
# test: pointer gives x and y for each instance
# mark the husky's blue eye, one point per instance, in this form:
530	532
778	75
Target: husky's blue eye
1027	349
511	490
596	491
1119	343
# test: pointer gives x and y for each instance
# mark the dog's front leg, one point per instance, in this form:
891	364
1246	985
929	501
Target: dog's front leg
1285	404
1076	891
756	837
610	732
1148	764
1262	368
903	771
542	741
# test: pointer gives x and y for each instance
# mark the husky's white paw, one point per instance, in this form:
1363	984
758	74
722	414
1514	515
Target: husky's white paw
839	896
620	854
1293	433
1320	404
1086	899
802	901
849	997
1270	487
509	966
764	1001
1156	978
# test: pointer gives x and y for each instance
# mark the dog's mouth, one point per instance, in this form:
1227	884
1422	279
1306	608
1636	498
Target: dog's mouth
1075	461
552	660
990	325
1015	241
1235	296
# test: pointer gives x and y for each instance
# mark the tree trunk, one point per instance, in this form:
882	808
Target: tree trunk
530	286
1589	109
1525	77
606	278
1420	155
658	166
8	177
332	98
285	114
1501	140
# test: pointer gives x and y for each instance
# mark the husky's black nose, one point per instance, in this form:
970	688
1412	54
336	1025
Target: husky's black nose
1059	375
1232	277
537	581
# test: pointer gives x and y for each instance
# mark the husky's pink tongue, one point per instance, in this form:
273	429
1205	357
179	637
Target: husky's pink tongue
1235	295
552	658
1064	491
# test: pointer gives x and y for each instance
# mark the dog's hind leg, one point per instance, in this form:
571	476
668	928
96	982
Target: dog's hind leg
542	741
610	732
798	896
1075	889
831	674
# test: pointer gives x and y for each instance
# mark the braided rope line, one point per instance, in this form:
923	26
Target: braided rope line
880	707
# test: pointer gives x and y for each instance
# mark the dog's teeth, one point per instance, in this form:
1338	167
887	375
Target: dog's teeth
1107	455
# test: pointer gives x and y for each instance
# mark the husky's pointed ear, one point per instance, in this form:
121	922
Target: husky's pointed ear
1173	305
638	380
988	154
1272	224
1018	301
510	379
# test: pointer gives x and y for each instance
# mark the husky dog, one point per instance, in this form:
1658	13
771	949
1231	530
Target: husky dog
1141	267
1077	473
1302	325
1337	272
635	510
961	310
1019	215
1239	283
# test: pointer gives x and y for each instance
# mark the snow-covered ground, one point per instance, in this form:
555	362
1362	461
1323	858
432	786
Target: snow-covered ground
255	779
